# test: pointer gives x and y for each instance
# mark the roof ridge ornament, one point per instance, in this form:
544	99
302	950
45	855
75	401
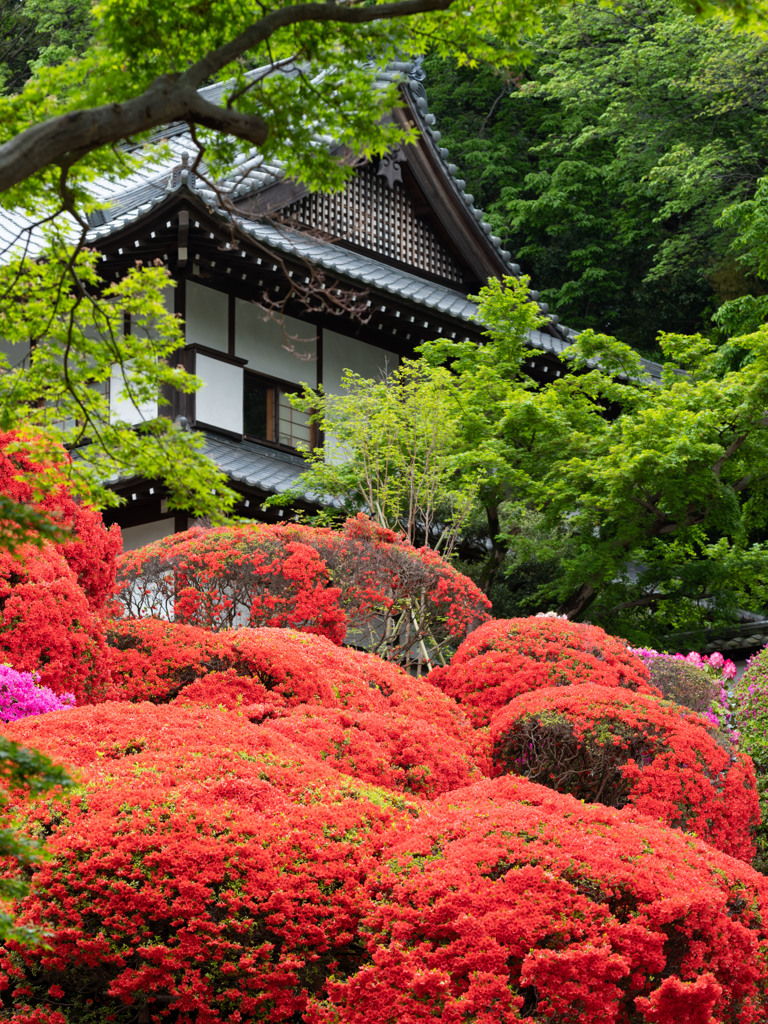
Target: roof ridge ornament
182	174
391	166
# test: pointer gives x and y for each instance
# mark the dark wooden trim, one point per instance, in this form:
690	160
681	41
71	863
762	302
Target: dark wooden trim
273	445
180	522
441	195
231	324
214	353
286	385
319	356
200	425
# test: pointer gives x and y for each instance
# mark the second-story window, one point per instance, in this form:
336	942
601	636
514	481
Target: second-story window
269	416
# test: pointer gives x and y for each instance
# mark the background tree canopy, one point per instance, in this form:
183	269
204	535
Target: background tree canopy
607	161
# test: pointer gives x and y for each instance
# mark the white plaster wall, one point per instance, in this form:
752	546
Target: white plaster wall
285	348
120	405
207	316
168	302
15	354
219	402
137	536
341	353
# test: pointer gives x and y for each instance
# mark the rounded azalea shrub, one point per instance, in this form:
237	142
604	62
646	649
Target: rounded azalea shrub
362	583
232	576
153	659
210	873
684	682
47	624
173	747
506	657
384	748
262	672
507	901
606	745
21	695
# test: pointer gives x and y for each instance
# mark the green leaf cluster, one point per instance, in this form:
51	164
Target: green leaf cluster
606	162
650	492
86	366
391	450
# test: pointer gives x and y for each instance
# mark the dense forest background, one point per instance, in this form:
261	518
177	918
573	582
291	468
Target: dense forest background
621	160
616	162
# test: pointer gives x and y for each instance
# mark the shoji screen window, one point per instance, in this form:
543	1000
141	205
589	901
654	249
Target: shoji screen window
269	416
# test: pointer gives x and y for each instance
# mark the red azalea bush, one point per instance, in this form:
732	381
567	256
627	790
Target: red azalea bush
153	659
210	869
383	748
603	744
232	576
178	748
213	911
507	901
88	547
362	582
262	672
207	866
506	657
47	624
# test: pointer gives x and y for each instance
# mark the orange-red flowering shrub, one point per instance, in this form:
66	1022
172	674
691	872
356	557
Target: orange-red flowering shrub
607	745
207	863
384	748
89	548
232	576
506	657
221	872
152	659
262	672
47	624
362	582
507	901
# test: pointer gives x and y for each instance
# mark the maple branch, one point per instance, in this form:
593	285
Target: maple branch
175	97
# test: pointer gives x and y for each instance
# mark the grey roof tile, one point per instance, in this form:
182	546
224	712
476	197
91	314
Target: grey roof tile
248	463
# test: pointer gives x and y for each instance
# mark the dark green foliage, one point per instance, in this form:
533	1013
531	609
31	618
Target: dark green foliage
684	683
39	33
25	771
606	163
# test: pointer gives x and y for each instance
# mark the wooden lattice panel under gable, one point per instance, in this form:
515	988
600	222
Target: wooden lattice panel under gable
372	215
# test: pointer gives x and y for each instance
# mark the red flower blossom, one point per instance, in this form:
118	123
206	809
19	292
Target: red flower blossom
506	657
609	745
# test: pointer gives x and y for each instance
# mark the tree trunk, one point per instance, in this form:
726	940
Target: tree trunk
578	602
497	553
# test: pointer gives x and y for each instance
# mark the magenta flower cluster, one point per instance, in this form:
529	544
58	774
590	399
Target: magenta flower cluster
21	695
722	714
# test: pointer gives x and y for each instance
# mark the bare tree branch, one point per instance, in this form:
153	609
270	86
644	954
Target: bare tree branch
175	97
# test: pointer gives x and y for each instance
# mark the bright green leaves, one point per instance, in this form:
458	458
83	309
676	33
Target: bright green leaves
654	490
22	771
392	451
87	366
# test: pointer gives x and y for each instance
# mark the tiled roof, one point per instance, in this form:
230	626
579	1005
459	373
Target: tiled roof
253	465
138	192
